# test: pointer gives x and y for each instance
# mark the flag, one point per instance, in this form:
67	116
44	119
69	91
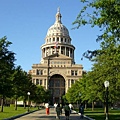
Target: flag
56	45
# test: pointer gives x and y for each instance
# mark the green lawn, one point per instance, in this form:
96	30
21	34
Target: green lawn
10	112
98	114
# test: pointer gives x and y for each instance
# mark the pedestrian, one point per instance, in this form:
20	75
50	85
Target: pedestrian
67	111
58	111
61	107
55	105
81	110
71	107
47	108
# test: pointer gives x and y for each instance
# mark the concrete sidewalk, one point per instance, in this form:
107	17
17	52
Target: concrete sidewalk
41	115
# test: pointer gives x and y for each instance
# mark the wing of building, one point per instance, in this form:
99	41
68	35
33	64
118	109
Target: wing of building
57	70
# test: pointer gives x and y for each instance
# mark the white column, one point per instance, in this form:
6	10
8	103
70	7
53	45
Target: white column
35	81
60	50
73	54
69	52
55	39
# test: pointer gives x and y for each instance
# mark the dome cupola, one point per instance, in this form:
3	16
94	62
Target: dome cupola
58	40
58	28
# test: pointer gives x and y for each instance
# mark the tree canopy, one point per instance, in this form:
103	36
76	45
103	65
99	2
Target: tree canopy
104	14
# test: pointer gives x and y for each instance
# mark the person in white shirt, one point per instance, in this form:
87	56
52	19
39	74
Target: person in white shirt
55	105
71	107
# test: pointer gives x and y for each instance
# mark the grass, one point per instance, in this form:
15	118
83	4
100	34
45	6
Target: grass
98	114
10	112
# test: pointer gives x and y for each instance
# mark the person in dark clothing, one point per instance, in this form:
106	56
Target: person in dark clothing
67	111
58	111
81	110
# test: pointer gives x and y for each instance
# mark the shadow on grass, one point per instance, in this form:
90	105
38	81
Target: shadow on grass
91	112
102	117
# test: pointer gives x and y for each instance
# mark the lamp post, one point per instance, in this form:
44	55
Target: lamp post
80	98
106	84
28	93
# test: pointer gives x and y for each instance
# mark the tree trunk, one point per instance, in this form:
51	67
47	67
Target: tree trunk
104	108
24	104
2	102
93	106
16	104
85	105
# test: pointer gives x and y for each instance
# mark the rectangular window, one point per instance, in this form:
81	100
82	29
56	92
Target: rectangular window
37	81
65	39
58	39
68	82
40	82
76	73
72	72
72	81
39	72
44	81
61	39
53	39
33	81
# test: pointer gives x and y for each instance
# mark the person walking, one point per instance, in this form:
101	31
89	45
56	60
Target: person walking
61	106
67	111
58	111
55	105
81	111
71	107
47	108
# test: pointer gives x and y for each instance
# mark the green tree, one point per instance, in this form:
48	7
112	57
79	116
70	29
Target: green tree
40	95
6	69
105	14
27	86
18	81
72	94
107	68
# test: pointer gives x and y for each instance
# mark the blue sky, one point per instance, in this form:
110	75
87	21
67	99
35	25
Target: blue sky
25	23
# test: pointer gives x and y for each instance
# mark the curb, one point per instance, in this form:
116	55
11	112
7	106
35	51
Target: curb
88	117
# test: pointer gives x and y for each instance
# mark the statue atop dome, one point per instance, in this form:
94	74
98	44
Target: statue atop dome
58	10
58	16
58	27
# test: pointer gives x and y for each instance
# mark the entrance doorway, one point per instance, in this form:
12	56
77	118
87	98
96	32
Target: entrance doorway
57	88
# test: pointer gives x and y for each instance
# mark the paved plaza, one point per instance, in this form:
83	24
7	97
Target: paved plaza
41	115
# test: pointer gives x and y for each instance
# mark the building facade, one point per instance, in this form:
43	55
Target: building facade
57	70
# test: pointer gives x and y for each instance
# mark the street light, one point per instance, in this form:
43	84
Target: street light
28	93
106	84
80	97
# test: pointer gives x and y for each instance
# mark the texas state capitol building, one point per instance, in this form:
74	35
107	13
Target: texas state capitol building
57	70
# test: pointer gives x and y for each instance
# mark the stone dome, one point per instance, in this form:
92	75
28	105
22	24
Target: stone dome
58	28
